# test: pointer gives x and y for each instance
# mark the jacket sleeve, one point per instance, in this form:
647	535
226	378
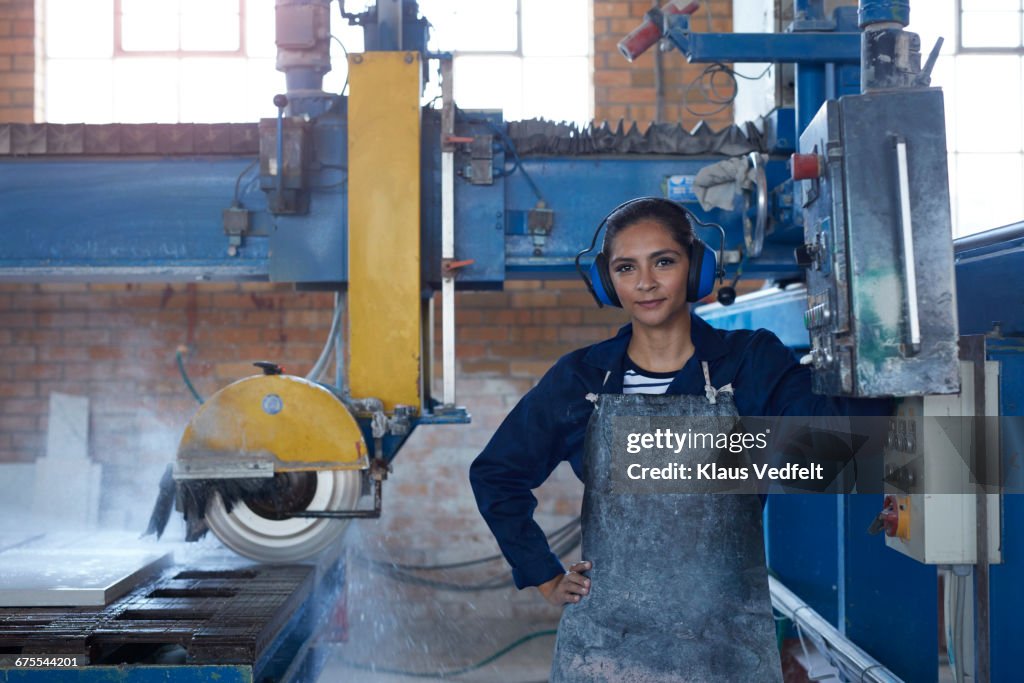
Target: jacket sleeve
520	456
779	386
784	387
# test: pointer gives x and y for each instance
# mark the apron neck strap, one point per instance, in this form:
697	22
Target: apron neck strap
709	389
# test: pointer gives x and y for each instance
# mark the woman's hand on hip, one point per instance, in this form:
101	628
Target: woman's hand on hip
568	587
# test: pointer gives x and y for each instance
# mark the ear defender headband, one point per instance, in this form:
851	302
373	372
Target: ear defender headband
704	268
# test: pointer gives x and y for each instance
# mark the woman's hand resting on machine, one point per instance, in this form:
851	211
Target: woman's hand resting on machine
569	587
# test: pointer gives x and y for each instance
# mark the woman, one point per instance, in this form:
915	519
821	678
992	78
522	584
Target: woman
633	630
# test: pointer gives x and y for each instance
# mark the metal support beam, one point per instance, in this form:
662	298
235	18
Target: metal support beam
807	47
384	227
447	234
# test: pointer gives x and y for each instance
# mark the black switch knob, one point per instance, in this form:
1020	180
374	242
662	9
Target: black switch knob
269	368
804	255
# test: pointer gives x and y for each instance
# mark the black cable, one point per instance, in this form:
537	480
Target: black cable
454	672
510	148
345	50
236	202
557	537
710	91
185	378
467	563
496	582
758	77
518	163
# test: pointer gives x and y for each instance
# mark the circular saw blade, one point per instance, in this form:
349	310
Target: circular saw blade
286	540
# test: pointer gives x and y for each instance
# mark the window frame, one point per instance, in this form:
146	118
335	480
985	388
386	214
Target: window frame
240	52
517	52
984	50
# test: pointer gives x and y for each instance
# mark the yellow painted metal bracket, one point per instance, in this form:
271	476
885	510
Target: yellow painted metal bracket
384	227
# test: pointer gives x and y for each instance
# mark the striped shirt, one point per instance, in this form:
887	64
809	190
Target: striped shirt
636	380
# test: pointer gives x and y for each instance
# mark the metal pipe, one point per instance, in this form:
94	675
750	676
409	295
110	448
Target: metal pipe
982	633
659	81
988	238
389	24
811	80
889	57
280	146
843	653
810	93
447	235
332	338
340	380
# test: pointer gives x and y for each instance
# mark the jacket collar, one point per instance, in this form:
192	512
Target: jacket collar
610	354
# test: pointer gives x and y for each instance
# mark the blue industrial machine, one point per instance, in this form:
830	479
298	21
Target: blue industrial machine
374	193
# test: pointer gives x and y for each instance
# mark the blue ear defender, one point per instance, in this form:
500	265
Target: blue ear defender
704	268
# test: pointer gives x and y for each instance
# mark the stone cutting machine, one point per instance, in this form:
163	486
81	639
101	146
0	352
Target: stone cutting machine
275	464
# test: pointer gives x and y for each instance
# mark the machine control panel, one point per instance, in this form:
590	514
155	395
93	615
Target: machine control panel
928	474
881	306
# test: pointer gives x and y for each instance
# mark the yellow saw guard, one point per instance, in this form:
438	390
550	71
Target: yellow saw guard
288	421
296	436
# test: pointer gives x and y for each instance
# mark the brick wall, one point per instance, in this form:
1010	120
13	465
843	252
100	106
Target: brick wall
626	91
116	344
20	42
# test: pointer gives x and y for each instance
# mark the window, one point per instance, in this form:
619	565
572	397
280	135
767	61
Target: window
529	58
990	26
168	61
981	71
205	61
178	27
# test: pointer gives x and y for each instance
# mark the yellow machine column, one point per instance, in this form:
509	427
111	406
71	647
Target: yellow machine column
384	227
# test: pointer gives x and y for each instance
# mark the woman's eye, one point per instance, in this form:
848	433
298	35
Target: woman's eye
665	261
625	267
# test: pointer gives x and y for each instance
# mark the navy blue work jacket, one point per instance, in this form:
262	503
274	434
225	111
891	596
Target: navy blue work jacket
548	424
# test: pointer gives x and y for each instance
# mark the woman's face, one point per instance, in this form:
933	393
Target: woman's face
649	270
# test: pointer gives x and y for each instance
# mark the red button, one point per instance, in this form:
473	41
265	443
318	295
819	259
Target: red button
891	515
805	166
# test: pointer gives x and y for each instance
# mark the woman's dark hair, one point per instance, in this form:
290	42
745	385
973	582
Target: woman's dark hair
666	212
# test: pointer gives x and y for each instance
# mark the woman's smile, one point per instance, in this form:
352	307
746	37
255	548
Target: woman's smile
650	304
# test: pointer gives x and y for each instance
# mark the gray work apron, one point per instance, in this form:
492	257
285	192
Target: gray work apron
679	586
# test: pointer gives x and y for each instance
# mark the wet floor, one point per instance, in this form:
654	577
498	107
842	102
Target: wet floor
439	649
469	620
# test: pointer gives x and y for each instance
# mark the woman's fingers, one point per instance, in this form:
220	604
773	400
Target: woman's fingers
574	587
581	566
577	582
